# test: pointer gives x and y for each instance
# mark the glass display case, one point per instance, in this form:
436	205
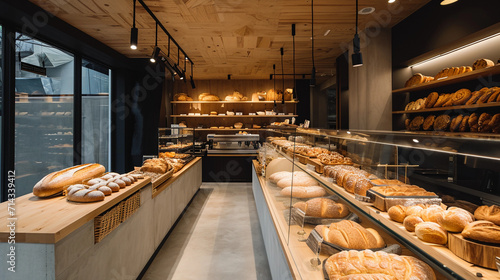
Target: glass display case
176	139
401	168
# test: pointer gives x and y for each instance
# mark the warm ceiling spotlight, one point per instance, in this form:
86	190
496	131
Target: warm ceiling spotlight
327	32
369	10
392	1
133	33
357	58
447	2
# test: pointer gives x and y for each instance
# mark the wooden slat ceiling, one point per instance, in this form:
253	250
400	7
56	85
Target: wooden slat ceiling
238	37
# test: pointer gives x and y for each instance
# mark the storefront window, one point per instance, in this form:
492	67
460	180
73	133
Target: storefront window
95	113
1	105
43	111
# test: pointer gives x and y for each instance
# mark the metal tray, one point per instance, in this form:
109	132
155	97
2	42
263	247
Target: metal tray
383	202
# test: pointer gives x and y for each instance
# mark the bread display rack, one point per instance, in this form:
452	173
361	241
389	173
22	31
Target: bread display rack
473	81
371	150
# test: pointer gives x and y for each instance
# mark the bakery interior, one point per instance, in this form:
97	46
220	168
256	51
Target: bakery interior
300	139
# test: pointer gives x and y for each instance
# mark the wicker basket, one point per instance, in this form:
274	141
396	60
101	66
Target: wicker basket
107	222
130	205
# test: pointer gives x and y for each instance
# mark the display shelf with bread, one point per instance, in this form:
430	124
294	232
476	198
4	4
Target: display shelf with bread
457	96
426	230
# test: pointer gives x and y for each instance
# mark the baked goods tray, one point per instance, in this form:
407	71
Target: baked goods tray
177	150
156	178
383	202
317	221
329	249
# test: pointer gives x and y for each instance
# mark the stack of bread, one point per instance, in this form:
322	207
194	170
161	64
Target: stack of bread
431	222
297	184
208	97
452	71
331	158
369	265
182	97
323	208
418	79
487	226
57	182
235	96
351	235
353	179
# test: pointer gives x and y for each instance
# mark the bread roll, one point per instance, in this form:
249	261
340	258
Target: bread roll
323	208
488	213
455	219
84	195
484	231
303	192
411	221
432	213
397	213
356	265
431	232
58	181
298	180
351	235
102	188
414	210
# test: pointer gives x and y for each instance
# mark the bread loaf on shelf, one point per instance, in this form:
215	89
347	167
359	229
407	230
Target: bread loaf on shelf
397	213
351	235
431	232
484	231
79	193
411	221
57	182
488	213
356	265
323	208
303	192
455	219
297	180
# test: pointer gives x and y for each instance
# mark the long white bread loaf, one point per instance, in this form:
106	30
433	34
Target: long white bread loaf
58	181
303	192
374	265
323	208
351	235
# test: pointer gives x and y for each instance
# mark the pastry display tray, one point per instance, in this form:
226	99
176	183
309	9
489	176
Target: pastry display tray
383	202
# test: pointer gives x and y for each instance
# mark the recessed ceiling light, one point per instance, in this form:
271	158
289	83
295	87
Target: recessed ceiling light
392	1
327	32
448	2
366	11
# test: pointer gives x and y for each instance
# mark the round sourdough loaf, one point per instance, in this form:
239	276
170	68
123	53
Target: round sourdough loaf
455	219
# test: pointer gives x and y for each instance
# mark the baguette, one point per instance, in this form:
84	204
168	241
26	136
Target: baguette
58	181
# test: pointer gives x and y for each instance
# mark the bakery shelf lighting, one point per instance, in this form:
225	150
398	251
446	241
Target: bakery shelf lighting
492	39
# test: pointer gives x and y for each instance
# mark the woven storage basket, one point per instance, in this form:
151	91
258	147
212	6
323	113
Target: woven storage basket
130	205
107	222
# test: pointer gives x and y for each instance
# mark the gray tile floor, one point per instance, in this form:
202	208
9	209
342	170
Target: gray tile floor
218	237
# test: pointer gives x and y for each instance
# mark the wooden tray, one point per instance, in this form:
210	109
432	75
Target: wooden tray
302	159
480	254
318	166
383	202
329	249
321	221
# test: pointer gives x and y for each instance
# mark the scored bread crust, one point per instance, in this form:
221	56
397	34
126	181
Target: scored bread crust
58	181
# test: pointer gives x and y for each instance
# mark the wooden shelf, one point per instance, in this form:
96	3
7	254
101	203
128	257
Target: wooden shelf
235	116
439	254
452	108
469	76
232	102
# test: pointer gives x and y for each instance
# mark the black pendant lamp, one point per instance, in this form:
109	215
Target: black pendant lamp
357	58
192	81
156	50
293	59
282	78
133	33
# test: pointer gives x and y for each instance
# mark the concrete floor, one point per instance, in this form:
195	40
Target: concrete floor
218	237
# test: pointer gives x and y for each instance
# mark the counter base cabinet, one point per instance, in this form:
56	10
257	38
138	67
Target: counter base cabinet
277	260
120	255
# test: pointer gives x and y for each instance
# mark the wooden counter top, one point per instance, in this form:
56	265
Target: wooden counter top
51	219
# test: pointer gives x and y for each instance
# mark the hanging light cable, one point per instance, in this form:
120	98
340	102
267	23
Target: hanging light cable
192	81
133	33
293	59
313	72
282	78
357	58
156	50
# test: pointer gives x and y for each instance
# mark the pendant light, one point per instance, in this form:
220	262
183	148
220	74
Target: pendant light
191	80
156	50
313	72
357	58
133	33
282	78
274	81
